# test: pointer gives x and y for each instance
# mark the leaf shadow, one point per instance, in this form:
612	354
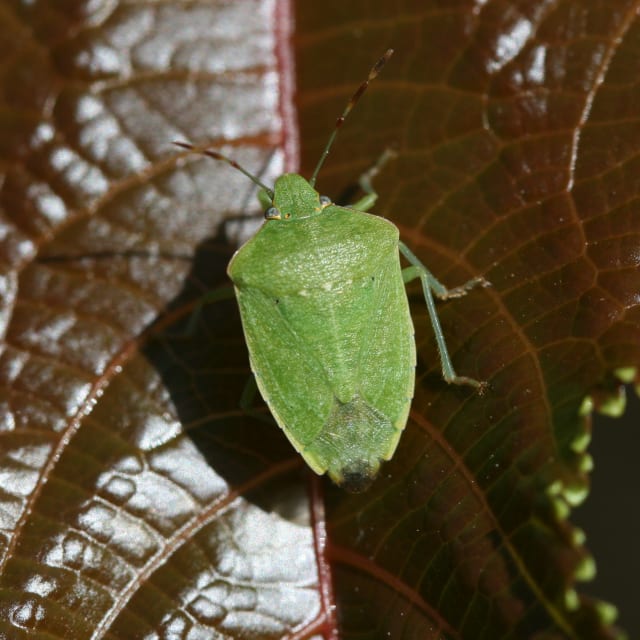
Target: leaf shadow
200	355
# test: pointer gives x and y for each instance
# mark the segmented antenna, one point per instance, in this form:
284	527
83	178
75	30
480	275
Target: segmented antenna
375	70
233	163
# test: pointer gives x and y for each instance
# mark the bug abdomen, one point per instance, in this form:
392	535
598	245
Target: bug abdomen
336	364
350	443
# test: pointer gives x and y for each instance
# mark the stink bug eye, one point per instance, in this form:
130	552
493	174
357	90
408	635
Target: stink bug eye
355	368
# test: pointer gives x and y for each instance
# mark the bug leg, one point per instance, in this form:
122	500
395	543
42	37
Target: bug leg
216	295
430	287
249	394
365	181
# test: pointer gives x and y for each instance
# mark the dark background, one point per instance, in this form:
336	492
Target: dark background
610	515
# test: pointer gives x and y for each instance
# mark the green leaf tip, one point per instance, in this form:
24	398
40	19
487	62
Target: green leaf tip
615	405
586	569
586	408
626	374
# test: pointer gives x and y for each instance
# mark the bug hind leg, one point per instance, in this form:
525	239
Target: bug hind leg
431	286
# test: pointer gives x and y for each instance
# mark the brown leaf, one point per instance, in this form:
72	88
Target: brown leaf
136	498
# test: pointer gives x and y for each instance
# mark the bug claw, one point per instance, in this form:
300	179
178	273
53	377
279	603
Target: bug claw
483	386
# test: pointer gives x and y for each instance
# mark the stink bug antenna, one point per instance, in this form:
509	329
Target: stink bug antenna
218	156
375	70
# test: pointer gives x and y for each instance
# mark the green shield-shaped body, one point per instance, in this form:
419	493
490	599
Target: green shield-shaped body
330	337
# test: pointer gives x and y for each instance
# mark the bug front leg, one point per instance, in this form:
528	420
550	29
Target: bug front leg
365	203
430	287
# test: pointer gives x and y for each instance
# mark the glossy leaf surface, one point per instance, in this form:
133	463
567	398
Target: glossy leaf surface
136	498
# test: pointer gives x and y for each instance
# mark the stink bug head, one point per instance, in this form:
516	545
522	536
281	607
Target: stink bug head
295	198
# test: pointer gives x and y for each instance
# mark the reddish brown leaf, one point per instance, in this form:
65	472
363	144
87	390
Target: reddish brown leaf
136	498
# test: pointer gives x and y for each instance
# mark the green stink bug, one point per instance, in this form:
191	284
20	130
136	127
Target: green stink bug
326	320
